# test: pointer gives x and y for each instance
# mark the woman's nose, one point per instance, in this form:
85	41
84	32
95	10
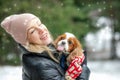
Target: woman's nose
40	31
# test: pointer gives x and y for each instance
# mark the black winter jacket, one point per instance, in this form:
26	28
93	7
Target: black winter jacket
39	66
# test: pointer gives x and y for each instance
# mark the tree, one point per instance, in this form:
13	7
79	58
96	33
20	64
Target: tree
108	8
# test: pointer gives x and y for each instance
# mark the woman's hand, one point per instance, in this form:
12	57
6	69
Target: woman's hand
74	69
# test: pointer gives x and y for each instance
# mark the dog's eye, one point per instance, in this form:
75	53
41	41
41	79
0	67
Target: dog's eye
62	38
70	42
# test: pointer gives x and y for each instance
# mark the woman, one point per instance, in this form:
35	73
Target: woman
40	59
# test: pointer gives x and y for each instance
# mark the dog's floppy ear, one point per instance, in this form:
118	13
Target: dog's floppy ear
78	51
56	40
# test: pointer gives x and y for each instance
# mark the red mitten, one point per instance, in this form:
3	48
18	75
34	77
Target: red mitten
74	68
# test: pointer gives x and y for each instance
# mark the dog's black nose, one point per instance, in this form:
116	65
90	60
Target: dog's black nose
63	43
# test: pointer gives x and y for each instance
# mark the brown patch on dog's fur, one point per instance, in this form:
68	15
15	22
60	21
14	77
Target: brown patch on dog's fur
76	49
59	38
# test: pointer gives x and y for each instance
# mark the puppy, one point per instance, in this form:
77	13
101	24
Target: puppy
69	44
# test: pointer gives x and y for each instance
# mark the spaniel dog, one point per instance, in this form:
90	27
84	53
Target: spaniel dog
70	45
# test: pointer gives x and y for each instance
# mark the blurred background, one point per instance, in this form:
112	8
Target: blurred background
96	23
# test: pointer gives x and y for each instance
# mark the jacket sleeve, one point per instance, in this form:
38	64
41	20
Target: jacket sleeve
85	73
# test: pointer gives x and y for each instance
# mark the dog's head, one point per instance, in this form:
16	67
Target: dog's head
67	42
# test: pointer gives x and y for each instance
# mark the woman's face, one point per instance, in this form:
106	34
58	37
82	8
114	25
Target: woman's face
38	33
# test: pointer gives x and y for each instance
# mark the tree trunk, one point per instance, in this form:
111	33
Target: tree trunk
113	49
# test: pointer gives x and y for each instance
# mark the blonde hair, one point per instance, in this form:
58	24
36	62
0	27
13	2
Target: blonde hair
39	49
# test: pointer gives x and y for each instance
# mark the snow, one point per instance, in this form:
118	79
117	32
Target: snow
100	70
104	70
10	73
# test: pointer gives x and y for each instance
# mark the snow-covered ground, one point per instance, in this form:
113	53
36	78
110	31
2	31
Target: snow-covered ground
100	70
10	73
104	70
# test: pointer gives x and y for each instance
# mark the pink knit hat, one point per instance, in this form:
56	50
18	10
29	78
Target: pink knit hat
17	25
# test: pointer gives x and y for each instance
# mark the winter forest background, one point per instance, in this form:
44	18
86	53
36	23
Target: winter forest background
96	23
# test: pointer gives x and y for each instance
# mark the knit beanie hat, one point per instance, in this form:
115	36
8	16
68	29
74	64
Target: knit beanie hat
17	25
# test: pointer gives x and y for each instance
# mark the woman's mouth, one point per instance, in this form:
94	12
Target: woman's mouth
44	36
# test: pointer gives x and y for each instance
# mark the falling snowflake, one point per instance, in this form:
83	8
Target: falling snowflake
25	23
89	5
97	3
61	4
111	6
104	8
83	4
93	50
78	9
99	10
38	7
15	5
104	2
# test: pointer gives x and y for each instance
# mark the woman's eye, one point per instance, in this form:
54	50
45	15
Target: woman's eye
32	31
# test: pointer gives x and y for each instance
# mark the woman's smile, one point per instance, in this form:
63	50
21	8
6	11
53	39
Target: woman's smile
44	36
